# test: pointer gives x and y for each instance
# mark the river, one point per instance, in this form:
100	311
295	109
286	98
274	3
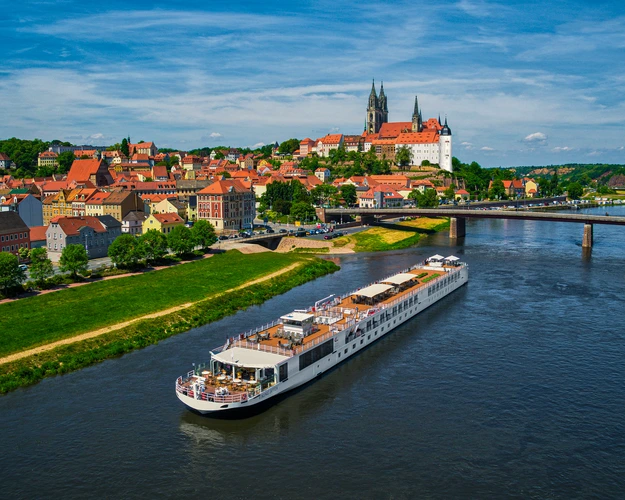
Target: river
512	387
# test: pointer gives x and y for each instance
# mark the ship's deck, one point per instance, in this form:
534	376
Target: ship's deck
271	338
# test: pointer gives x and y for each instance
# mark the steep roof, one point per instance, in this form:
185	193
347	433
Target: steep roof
170	218
393	129
38	233
81	170
11	222
224	186
71	225
425	137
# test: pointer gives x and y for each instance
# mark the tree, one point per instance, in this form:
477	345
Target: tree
40	266
403	158
288	147
575	190
23	253
180	240
11	276
65	161
154	245
348	192
429	199
302	211
124	147
450	192
203	233
497	190
322	194
74	259
126	251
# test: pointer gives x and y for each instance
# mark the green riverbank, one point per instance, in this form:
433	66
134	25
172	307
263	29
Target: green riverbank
76	355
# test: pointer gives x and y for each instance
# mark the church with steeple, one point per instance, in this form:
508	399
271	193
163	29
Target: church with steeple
377	110
427	140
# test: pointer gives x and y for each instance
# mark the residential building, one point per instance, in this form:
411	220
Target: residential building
381	196
95	205
328	143
5	161
323	174
80	199
162	222
227	205
306	146
190	187
38	236
119	203
133	222
26	205
94	171
171	205
144	148
159	173
14	233
94	233
47	159
353	143
462	194
55	205
192	162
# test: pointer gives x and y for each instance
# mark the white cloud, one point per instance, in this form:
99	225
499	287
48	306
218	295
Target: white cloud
486	148
536	137
215	135
258	145
559	149
595	153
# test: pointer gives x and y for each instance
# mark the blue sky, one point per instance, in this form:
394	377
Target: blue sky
522	83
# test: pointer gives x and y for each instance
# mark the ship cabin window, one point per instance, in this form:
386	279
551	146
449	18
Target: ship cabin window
313	355
394	310
283	372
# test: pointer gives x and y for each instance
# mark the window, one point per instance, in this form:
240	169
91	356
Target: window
283	372
345	351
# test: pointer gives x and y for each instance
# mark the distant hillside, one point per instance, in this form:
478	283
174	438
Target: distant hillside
609	175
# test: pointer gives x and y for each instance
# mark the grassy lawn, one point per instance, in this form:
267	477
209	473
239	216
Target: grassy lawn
394	237
45	318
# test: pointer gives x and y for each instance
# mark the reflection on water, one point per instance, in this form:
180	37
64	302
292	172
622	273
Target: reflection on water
511	386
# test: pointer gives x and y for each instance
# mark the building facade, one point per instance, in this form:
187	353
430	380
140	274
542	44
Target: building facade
228	205
14	233
94	233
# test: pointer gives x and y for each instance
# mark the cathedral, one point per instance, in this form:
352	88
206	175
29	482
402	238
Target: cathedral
429	140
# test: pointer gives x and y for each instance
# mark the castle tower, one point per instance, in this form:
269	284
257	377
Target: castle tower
444	160
417	120
377	110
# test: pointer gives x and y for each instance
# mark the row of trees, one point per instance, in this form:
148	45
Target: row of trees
126	252
292	198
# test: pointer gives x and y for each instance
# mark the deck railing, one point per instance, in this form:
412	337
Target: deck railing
213	397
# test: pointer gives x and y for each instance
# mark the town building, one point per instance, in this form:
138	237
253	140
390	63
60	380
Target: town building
328	143
26	205
47	159
323	174
119	203
14	233
94	171
38	236
163	223
94	233
228	205
381	196
133	223
5	161
143	148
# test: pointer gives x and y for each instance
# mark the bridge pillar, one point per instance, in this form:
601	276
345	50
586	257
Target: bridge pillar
321	214
587	239
367	220
457	227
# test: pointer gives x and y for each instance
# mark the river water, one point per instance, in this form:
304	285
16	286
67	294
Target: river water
512	387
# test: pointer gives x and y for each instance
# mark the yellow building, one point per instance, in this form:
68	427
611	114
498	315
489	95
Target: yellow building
162	222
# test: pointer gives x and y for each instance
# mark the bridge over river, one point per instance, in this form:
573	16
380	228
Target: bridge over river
458	216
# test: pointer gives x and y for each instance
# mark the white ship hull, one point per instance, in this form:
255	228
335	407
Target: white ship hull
380	321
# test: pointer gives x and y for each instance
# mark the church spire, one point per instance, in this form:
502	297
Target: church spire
383	103
415	113
417	120
373	97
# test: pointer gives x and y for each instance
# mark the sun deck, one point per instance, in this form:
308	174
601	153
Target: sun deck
334	317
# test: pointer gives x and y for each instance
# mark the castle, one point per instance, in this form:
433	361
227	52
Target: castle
429	140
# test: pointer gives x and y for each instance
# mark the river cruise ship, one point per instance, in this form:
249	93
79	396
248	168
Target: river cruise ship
253	368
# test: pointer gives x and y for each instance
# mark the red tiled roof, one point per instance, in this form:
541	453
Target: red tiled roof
38	233
81	170
331	139
425	137
72	225
393	129
170	218
224	186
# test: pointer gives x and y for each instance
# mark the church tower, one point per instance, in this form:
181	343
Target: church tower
417	119
377	110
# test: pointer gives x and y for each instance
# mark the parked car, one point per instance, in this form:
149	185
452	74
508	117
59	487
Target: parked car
270	231
223	237
23	267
